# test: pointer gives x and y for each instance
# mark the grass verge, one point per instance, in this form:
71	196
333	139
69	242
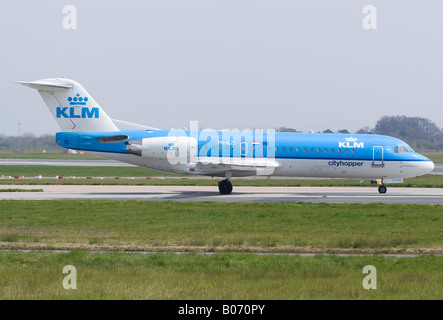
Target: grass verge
221	227
21	190
38	275
81	171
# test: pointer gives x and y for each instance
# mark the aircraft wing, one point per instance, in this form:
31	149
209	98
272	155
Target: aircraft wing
218	166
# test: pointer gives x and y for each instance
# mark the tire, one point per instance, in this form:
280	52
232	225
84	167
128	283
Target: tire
382	189
225	187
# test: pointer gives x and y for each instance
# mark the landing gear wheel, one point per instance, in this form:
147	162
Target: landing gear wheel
382	189
225	187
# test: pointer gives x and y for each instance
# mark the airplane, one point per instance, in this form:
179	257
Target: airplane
226	153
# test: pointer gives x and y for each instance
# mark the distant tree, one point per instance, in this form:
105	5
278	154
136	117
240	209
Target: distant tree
343	131
328	131
285	129
365	130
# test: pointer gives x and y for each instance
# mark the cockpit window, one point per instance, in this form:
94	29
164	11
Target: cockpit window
401	149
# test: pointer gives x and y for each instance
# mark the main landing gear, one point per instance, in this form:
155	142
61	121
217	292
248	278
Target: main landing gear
225	186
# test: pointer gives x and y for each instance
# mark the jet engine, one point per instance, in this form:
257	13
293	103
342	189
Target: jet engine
177	150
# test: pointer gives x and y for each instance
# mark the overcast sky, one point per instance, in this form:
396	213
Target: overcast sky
227	63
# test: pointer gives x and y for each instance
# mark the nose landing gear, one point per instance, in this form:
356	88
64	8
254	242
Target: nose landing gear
382	188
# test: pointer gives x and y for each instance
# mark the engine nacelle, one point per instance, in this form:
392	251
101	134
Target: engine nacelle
177	150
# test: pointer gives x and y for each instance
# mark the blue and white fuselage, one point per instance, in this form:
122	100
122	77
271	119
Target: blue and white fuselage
85	126
290	154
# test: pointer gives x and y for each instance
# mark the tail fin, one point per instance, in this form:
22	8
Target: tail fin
71	105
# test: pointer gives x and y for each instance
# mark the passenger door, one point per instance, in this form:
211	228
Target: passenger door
377	160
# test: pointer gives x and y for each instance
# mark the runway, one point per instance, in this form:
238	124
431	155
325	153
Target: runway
240	194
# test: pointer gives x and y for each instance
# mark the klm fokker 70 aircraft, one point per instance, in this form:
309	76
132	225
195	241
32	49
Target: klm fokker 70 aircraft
85	126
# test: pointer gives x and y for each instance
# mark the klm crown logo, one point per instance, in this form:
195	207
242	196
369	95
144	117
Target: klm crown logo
77	100
351	143
76	112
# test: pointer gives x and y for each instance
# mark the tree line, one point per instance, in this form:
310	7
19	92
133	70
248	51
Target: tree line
420	133
28	141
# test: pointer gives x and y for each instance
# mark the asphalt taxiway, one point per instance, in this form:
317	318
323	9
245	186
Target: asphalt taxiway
240	194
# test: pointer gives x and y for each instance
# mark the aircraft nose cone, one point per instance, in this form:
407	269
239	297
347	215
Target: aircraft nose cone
426	167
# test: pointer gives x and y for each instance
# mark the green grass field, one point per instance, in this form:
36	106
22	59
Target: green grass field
220	227
38	275
231	231
21	190
81	171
